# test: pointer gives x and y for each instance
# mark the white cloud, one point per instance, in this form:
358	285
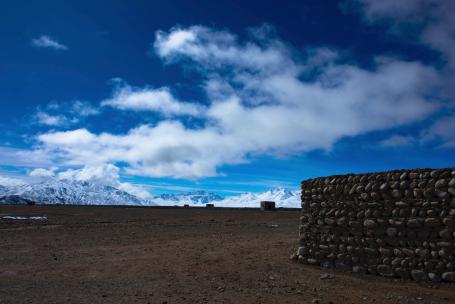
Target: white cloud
70	138
47	42
258	104
134	190
443	129
434	18
433	23
148	99
42	173
50	120
220	49
25	158
398	141
65	113
106	174
178	38
82	108
9	181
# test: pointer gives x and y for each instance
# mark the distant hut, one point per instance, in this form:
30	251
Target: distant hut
267	206
186	206
209	205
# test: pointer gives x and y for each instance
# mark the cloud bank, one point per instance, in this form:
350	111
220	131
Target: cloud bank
433	25
10	181
263	98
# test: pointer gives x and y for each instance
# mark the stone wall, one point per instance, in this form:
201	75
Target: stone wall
395	224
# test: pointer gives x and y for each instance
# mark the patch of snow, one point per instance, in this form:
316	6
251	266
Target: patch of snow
36	218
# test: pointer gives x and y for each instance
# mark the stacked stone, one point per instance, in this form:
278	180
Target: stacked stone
395	224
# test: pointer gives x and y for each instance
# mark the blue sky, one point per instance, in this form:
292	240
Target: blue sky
226	96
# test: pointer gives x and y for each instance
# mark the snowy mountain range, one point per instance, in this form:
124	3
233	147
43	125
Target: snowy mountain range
282	197
53	191
195	198
69	192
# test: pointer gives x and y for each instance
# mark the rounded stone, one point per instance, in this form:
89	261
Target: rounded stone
391	231
370	224
401	272
432	222
404	184
452	182
385	270
396	194
418	275
384	186
445	234
448	276
413	223
401	204
448	221
404	176
414	175
434	277
358	269
441	183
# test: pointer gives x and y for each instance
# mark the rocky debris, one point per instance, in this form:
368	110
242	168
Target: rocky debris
394	224
326	276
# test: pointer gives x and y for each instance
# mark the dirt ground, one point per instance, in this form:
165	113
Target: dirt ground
159	255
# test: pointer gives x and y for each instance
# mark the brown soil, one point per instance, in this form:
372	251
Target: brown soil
158	255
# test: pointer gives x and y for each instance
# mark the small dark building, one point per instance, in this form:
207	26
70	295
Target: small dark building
267	206
186	206
209	205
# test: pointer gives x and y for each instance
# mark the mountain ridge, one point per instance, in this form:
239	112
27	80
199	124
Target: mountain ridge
70	192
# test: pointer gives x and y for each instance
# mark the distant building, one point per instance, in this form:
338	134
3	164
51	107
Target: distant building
267	206
209	205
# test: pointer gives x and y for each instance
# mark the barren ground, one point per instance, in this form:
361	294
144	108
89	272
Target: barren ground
196	255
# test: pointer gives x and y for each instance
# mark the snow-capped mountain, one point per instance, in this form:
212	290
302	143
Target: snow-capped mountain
282	198
70	192
55	191
195	198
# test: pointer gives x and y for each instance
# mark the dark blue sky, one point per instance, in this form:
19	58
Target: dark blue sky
97	42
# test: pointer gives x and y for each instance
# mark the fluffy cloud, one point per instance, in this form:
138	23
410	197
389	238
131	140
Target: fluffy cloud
433	19
442	130
148	99
433	23
81	108
64	114
9	181
106	174
258	103
50	120
42	173
47	42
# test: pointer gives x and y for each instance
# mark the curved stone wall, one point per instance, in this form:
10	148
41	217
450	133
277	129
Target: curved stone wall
395	224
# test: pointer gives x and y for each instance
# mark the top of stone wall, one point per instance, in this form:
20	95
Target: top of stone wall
392	175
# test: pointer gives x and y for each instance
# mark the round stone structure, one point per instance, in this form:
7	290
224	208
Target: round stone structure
398	223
